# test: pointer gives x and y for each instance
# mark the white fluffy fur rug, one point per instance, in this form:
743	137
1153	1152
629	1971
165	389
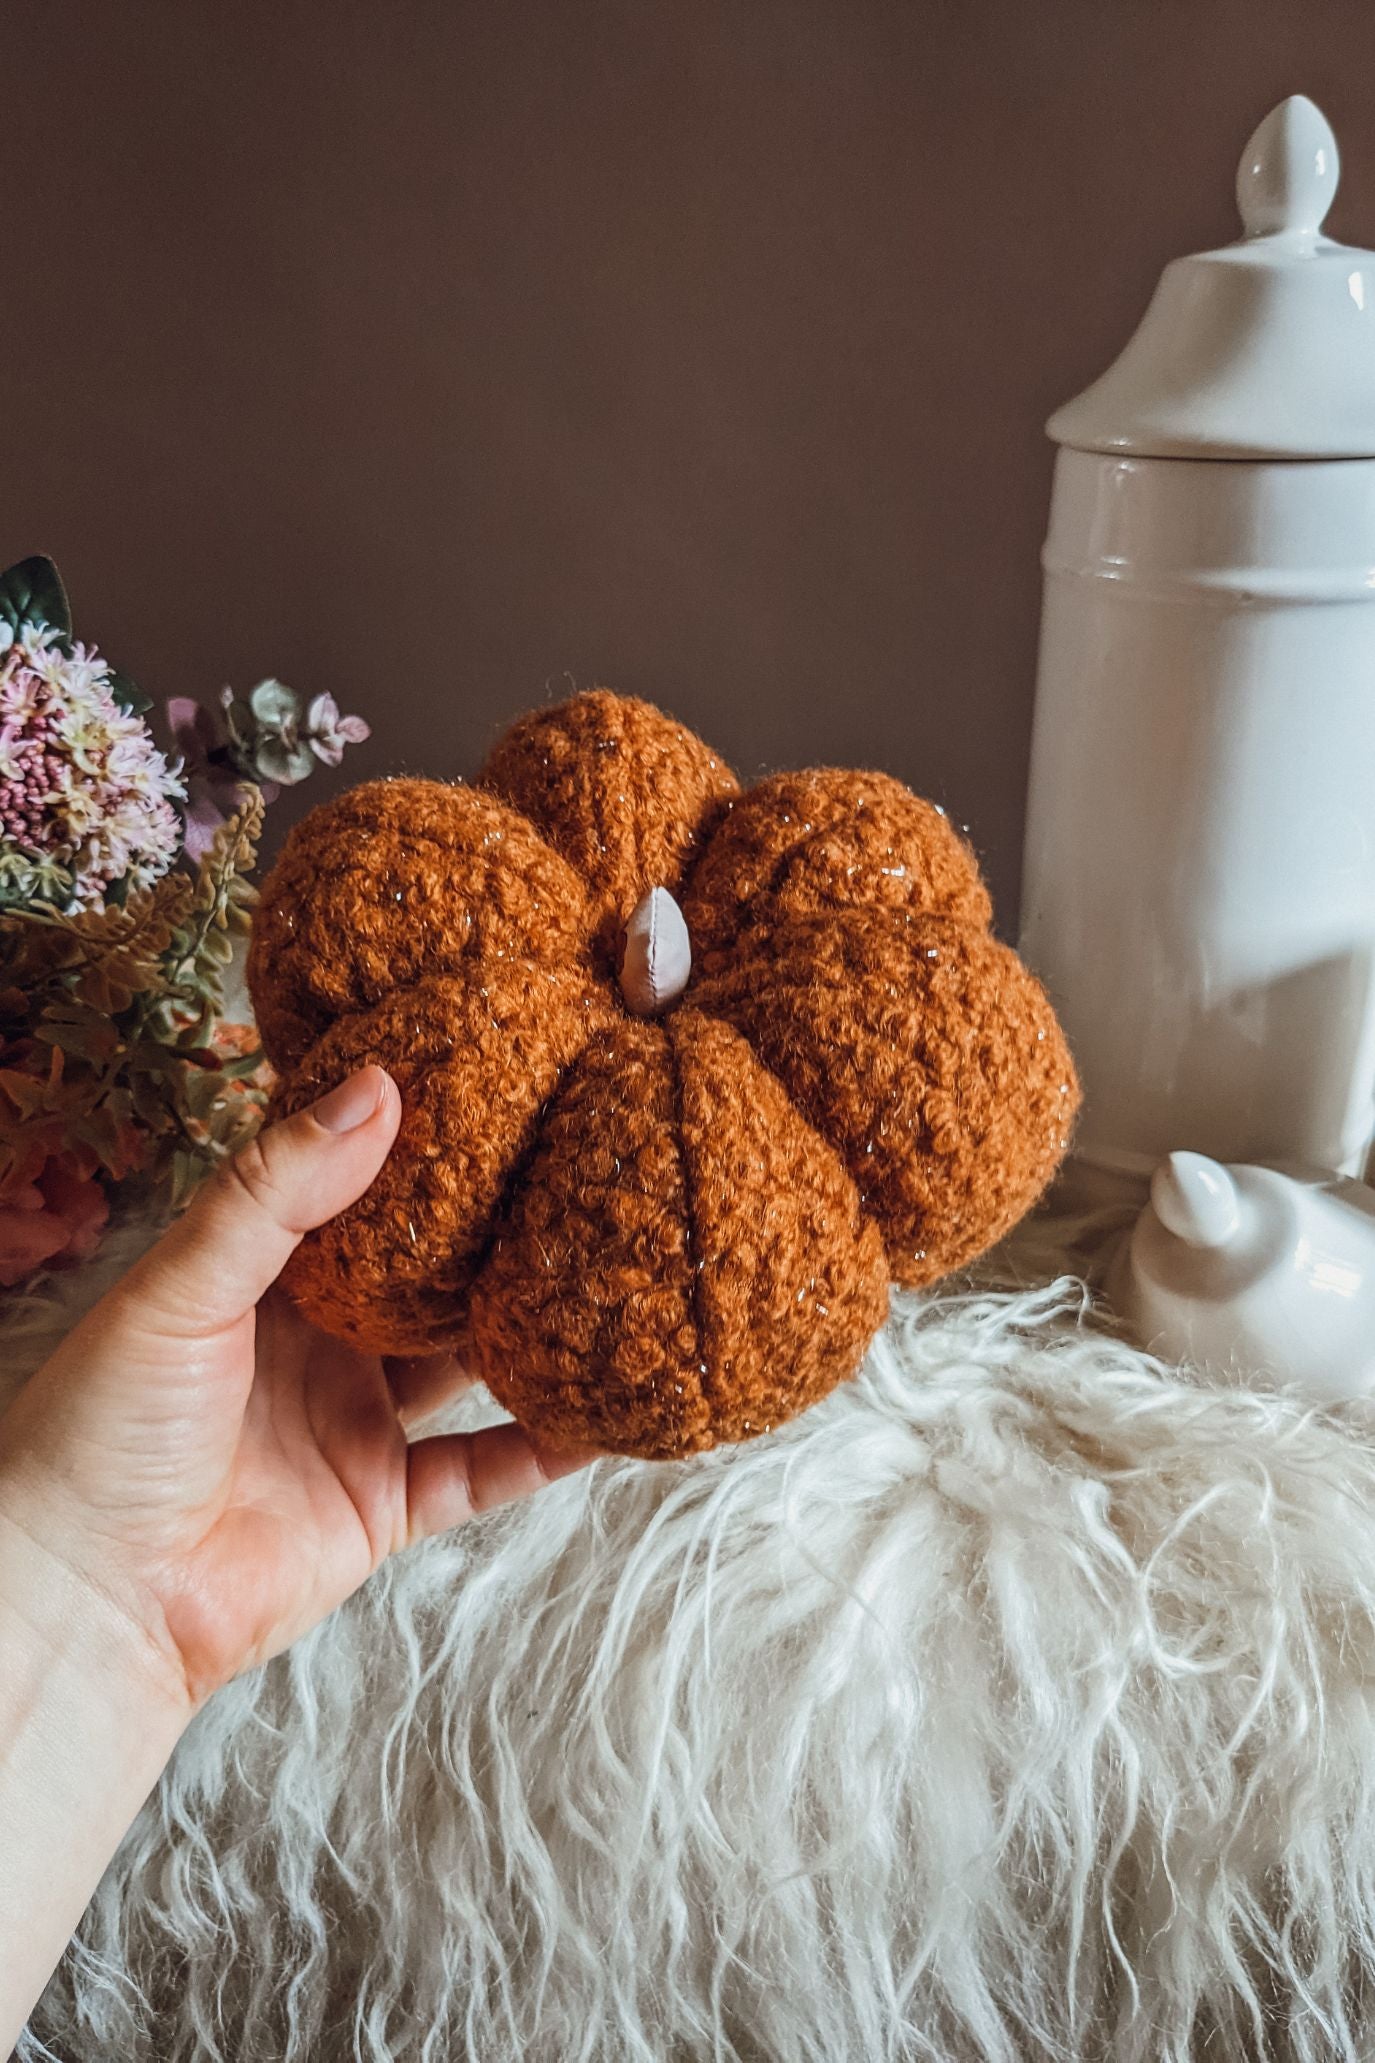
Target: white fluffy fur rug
1018	1702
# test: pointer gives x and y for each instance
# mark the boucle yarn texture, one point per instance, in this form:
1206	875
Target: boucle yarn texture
653	1233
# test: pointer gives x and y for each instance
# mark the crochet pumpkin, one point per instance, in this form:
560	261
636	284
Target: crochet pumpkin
689	1074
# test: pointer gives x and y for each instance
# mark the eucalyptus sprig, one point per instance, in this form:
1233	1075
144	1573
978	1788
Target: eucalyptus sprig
270	741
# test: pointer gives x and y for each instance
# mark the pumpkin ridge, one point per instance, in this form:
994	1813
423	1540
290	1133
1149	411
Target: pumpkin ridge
848	805
520	1164
591	947
910	1080
627	822
598	800
720	972
764	1065
582	1325
811	1238
599	942
449	1177
706	1388
866	1216
329	941
527	823
778	872
793	927
430	838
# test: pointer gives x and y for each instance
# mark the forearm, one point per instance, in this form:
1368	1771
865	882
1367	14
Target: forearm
85	1728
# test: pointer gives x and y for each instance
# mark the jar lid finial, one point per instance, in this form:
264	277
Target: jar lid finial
1288	171
1264	349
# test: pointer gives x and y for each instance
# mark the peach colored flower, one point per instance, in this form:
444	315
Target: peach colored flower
54	1220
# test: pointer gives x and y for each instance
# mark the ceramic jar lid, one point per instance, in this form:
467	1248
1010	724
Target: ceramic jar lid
1262	350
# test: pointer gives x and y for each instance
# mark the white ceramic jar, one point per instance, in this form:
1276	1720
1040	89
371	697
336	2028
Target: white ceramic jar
1200	863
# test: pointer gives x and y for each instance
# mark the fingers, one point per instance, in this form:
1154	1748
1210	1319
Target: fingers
419	1386
234	1241
457	1475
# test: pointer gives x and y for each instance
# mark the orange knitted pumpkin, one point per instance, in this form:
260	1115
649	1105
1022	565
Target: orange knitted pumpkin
651	1216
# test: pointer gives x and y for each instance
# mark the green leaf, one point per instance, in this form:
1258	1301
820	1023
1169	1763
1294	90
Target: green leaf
274	704
276	760
197	1032
32	592
151	1057
27	1093
127	693
246	1064
200	1092
188	1172
94	1038
239	720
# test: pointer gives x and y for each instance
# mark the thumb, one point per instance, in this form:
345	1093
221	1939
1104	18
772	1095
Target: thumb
232	1244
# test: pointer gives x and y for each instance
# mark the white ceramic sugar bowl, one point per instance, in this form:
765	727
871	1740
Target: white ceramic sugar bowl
1254	1272
1200	861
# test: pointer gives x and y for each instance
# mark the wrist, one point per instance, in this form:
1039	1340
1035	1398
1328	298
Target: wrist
62	1631
88	1718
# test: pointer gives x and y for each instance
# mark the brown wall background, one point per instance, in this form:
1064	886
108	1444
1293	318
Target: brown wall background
444	352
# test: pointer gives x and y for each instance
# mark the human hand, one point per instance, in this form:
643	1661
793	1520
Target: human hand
207	1464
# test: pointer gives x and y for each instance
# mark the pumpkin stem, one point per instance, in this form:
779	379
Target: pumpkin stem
658	954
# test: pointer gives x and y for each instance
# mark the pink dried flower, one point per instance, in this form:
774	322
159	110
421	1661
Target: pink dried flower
327	732
214	788
85	795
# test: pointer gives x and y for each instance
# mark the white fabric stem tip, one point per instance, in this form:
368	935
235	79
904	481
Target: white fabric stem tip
658	954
